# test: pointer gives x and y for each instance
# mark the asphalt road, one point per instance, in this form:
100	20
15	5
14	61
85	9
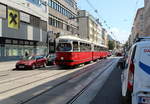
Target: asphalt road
110	93
53	86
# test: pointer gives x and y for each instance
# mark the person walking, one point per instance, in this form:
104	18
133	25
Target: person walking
26	54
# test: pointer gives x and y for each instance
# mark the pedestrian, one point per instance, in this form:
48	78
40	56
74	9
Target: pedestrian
26	54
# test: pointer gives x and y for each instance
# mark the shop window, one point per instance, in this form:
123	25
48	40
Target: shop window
15	51
0	50
11	50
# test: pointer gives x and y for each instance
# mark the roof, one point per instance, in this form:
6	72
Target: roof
75	38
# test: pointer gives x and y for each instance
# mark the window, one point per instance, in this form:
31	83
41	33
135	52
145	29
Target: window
60	8
54	5
75	46
11	50
64	47
83	47
53	22
35	21
2	11
50	21
68	28
43	25
0	50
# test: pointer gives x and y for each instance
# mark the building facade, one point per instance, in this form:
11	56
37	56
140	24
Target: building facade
62	19
138	25
23	28
147	18
89	28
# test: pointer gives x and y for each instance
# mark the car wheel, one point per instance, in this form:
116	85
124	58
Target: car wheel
33	66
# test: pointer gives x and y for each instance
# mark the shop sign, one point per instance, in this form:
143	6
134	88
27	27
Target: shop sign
24	17
2	11
13	18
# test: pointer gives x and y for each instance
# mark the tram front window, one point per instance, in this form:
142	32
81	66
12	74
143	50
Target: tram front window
64	47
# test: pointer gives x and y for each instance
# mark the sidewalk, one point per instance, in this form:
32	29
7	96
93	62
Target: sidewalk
9	65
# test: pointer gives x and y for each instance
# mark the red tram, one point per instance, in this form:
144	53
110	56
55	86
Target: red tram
71	51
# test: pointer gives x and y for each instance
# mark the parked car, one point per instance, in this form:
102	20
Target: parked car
31	62
50	59
136	75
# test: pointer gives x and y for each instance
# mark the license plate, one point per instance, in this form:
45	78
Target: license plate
21	66
144	100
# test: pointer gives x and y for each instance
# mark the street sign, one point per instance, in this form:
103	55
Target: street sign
13	18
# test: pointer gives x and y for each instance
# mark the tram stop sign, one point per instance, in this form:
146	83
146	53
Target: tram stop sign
13	18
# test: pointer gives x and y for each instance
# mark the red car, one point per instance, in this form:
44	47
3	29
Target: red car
31	62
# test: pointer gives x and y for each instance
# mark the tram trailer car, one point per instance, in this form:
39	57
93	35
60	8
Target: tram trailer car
72	51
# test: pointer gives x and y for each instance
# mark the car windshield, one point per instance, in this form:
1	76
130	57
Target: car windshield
29	58
32	57
64	47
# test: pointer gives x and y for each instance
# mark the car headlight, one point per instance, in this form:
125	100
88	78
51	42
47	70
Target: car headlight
62	58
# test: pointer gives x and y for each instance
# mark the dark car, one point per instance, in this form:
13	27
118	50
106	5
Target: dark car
31	62
119	54
50	59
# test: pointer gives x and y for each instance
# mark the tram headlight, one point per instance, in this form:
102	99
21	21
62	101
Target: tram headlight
62	58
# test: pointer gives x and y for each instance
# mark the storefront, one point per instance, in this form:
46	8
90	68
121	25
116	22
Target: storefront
13	49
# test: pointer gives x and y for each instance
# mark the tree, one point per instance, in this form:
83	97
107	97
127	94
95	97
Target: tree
111	45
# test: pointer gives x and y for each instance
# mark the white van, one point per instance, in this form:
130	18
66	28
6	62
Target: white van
136	75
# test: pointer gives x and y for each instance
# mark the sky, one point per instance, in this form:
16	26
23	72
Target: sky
118	14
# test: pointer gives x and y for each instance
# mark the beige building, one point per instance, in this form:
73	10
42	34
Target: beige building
105	37
138	25
89	28
147	18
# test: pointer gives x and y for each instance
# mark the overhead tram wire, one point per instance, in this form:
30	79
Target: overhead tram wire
103	21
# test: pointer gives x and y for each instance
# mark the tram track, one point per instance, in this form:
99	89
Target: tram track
74	98
23	85
32	82
82	71
24	76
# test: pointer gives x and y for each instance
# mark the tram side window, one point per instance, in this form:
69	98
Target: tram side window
82	47
95	48
88	47
75	46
